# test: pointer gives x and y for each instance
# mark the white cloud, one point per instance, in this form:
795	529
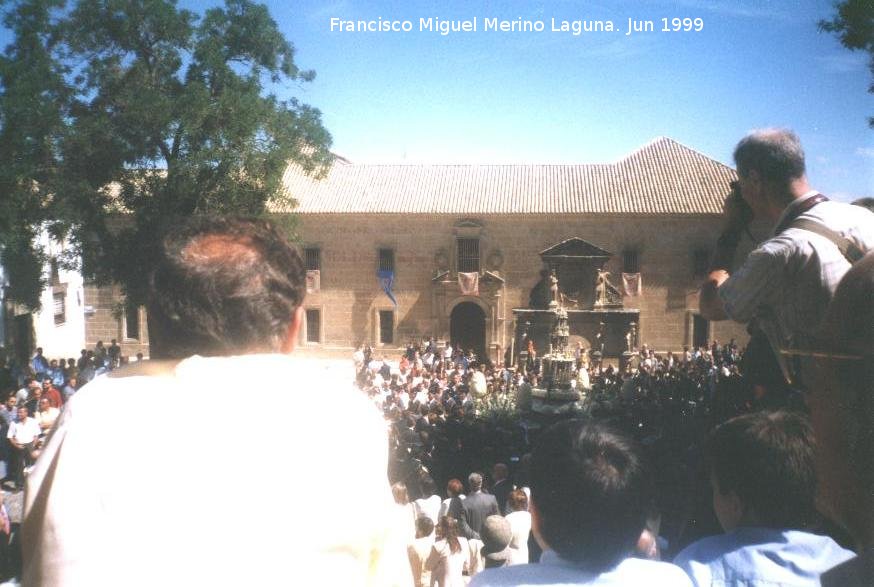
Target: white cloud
865	152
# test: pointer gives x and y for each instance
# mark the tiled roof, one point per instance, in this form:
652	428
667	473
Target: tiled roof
663	177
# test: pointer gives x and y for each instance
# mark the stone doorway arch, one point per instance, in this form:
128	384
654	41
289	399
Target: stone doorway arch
467	327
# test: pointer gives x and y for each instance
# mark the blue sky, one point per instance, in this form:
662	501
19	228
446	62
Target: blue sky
551	97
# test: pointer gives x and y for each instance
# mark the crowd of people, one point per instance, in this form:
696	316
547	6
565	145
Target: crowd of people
436	400
694	458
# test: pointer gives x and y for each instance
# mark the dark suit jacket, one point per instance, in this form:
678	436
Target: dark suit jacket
475	509
501	490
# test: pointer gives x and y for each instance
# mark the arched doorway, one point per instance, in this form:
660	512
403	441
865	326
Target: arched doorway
467	328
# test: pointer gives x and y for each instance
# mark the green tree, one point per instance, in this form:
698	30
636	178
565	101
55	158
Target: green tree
854	26
31	126
158	113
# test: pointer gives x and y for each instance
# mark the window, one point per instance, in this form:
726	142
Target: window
59	307
468	255
386	326
131	321
386	260
312	258
630	262
314	326
700	262
56	274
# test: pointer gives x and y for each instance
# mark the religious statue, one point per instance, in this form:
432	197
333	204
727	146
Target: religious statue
553	289
601	288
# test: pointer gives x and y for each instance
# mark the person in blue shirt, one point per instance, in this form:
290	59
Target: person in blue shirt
764	487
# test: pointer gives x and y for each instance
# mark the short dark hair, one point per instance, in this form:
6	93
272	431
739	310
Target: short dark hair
775	153
223	285
767	460
589	486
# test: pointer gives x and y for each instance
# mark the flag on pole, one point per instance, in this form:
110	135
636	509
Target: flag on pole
386	281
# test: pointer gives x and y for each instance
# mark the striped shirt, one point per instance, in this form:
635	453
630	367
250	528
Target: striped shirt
788	281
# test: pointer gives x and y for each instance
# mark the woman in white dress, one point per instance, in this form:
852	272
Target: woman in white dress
520	526
449	555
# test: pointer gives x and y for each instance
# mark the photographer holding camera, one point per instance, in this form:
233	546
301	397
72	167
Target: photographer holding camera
785	284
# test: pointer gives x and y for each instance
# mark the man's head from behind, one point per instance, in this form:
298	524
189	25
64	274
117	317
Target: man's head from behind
224	286
762	471
768	162
588	493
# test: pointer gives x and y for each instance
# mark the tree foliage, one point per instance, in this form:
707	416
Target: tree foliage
854	26
118	115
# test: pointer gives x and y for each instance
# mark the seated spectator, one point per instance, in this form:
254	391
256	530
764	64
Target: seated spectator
764	486
588	507
841	401
520	526
449	555
419	550
46	415
22	436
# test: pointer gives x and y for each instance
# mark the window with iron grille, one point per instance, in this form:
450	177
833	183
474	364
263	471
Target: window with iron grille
386	326
700	262
59	307
630	262
314	326
468	255
386	260
131	321
312	258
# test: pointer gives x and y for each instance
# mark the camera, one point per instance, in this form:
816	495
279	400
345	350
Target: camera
746	213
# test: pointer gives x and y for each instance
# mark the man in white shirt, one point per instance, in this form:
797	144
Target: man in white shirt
114	501
22	438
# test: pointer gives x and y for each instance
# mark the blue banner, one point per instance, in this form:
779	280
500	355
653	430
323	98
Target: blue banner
386	280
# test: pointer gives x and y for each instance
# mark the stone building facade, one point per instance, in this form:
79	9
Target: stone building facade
657	211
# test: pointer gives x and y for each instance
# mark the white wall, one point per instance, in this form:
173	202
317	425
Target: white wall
67	339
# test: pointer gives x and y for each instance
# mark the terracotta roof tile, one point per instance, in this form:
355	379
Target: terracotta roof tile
662	177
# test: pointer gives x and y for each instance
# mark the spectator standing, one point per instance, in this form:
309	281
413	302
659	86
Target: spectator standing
764	486
449	555
589	498
519	519
477	507
225	301
785	284
22	437
419	550
502	486
841	400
